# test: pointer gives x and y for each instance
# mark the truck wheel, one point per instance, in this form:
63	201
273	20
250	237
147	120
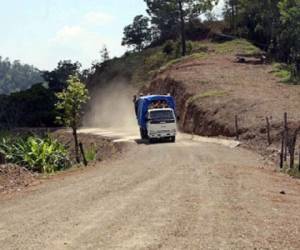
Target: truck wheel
141	133
173	139
144	134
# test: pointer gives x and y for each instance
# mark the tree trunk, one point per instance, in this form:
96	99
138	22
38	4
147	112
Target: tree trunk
76	145
182	29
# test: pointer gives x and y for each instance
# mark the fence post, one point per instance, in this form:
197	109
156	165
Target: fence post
268	131
282	150
237	128
83	155
299	160
2	159
292	146
286	137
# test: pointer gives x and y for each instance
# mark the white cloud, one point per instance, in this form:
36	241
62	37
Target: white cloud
78	43
67	33
98	18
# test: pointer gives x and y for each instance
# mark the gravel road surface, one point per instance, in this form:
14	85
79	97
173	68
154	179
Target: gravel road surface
187	195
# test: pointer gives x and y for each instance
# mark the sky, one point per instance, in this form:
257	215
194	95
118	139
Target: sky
43	32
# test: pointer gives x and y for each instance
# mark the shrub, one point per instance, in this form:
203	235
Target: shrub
91	153
169	47
36	154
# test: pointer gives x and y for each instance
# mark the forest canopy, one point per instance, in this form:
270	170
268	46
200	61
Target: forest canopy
15	76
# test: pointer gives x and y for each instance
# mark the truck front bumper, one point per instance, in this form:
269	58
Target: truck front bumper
159	135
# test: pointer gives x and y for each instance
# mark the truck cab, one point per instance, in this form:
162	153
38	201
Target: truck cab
161	123
156	117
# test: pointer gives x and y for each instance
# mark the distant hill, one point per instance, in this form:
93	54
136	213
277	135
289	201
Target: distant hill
15	76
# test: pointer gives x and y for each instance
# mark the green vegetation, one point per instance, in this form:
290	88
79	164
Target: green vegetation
294	172
169	18
282	71
91	153
241	46
207	94
70	104
36	154
139	67
272	25
15	76
57	78
138	34
29	108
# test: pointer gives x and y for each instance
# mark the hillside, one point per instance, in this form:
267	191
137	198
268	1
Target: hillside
211	88
15	76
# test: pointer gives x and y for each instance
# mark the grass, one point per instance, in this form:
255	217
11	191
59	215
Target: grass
207	94
138	68
294	172
236	46
283	71
91	153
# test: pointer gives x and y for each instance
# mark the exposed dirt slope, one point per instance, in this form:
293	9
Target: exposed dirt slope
187	195
15	178
212	90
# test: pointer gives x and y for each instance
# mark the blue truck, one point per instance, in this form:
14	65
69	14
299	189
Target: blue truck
156	117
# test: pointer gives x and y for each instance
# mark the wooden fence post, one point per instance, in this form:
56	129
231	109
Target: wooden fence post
282	150
268	131
237	128
286	137
83	155
292	146
2	159
299	161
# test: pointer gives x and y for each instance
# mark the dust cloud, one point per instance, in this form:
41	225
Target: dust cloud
112	107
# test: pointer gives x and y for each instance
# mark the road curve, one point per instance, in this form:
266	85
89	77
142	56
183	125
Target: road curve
187	195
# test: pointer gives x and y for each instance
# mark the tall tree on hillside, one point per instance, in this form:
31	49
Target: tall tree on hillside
137	34
170	16
256	20
231	13
57	78
289	35
104	53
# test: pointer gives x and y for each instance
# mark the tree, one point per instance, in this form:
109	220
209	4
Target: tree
171	16
137	34
33	107
289	35
15	76
231	13
57	78
104	53
274	25
255	20
70	102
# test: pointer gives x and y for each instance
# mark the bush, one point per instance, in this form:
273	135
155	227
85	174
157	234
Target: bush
169	47
36	154
91	153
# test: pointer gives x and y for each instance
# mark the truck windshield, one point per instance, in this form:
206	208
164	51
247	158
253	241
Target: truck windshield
162	115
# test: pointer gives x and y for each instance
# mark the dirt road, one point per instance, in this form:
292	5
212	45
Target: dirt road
188	195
